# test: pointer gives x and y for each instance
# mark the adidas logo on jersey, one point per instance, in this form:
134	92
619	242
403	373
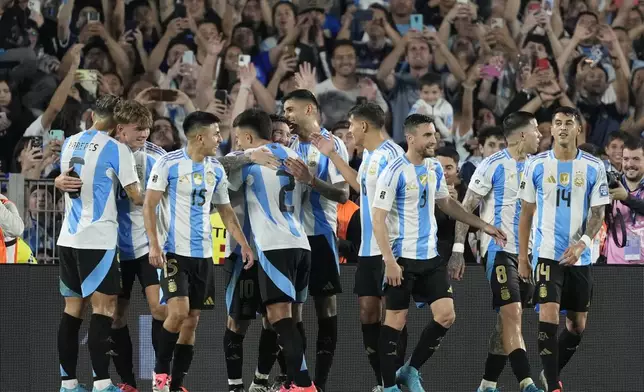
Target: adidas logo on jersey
209	301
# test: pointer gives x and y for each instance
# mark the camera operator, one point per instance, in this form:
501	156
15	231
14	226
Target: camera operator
625	242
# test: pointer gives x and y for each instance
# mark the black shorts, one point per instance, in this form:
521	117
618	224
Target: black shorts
369	276
424	280
84	271
242	289
283	275
571	287
148	275
503	275
325	266
190	277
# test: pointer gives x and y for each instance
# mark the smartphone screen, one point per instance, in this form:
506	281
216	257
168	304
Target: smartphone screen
221	96
546	6
244	60
36	142
93	16
168	95
363	15
416	22
188	57
180	10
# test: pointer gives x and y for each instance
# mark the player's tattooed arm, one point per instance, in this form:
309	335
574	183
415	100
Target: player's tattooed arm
470	202
301	172
456	264
261	156
134	193
595	220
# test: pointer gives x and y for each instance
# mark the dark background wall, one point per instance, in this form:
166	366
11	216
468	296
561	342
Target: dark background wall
610	358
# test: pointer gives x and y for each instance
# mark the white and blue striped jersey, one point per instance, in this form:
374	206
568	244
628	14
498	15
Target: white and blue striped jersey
409	192
373	163
132	238
189	188
101	163
320	215
564	192
497	178
274	202
238	202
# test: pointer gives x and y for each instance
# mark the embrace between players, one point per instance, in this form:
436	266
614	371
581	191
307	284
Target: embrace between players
286	199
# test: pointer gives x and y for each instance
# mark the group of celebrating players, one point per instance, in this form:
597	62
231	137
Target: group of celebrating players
278	201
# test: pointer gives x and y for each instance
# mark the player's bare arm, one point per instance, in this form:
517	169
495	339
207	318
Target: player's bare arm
229	218
326	147
456	264
152	199
261	156
301	172
593	224
393	272
134	193
454	209
525	225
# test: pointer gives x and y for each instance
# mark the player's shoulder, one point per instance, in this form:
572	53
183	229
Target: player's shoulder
390	150
172	157
154	150
591	159
495	159
534	160
235	153
214	162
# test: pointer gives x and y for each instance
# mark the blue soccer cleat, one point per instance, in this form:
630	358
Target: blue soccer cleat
409	377
488	390
110	388
78	388
532	388
392	389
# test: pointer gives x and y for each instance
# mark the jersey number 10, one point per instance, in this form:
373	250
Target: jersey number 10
563	197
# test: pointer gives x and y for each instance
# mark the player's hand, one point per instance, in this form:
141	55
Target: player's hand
299	170
456	266
572	254
156	256
525	272
67	183
247	256
263	156
325	145
496	233
393	273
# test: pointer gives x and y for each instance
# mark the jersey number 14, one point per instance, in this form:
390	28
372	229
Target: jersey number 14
563	197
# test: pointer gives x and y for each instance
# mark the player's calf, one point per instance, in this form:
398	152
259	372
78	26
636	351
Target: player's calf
395	320
234	352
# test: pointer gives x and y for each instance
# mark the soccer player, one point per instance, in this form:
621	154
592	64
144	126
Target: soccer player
367	123
281	130
495	185
89	268
189	181
405	230
133	122
274	203
320	209
567	189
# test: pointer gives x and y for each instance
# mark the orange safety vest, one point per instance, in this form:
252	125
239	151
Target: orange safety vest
8	247
345	212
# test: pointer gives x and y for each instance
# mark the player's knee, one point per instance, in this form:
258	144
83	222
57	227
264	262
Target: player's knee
370	310
238	327
326	307
396	319
158	312
190	323
176	317
75	307
511	314
577	325
104	304
446	317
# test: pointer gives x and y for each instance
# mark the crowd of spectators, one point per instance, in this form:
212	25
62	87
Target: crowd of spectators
466	63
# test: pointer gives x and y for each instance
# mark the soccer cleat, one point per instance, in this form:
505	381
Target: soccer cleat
77	388
488	390
377	388
409	377
127	388
161	383
110	388
395	388
259	387
236	388
532	388
295	388
542	378
279	383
